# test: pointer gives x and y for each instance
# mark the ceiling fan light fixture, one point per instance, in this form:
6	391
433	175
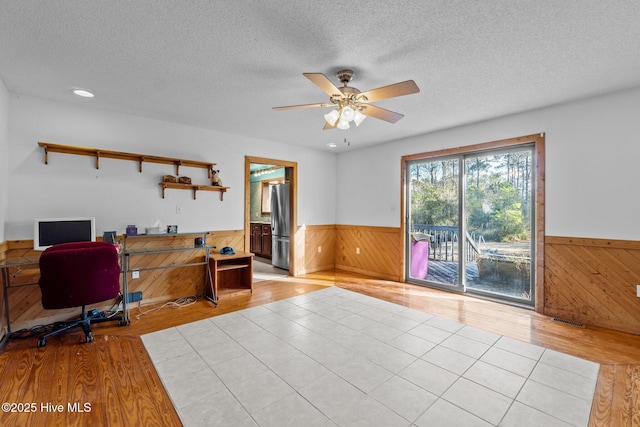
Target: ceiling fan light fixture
332	117
343	124
351	104
347	114
358	117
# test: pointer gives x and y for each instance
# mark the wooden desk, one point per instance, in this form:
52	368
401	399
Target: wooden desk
230	273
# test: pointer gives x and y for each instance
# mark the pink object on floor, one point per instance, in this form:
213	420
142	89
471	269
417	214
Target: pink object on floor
419	259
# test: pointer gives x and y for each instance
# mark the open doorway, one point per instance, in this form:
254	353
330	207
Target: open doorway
270	216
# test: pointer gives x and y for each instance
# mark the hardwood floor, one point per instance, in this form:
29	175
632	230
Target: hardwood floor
115	376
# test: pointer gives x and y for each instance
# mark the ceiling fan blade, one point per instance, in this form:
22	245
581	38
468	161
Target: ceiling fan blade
327	126
291	107
381	113
323	83
399	89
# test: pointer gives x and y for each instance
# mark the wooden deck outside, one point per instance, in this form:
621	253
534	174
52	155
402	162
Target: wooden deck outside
447	272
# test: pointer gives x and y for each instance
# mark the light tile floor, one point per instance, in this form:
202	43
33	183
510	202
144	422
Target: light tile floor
339	358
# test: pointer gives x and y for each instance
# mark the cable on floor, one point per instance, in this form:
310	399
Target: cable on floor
177	303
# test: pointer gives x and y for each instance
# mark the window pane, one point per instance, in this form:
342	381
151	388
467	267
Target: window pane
498	211
434	222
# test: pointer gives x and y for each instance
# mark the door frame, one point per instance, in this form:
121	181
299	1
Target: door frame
539	143
293	200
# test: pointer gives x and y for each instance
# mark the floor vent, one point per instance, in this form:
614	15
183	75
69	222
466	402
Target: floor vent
568	322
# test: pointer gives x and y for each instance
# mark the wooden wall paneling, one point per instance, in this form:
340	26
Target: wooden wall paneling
593	281
4	248
166	284
308	239
568	294
233	238
380	250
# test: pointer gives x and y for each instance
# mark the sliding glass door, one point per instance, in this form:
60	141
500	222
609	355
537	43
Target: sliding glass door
470	222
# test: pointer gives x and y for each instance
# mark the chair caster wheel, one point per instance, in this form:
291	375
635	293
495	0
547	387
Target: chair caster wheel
42	342
89	338
124	322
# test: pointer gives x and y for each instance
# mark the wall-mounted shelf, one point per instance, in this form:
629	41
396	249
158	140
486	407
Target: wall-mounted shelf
120	155
194	187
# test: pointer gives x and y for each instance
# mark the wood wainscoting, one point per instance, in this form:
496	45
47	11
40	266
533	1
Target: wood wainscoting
315	248
379	256
380	251
590	281
593	281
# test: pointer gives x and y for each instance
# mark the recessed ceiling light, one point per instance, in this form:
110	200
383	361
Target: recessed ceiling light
83	93
332	145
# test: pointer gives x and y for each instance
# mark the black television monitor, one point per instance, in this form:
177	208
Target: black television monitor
53	231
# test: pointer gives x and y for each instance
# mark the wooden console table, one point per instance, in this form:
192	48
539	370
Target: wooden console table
230	273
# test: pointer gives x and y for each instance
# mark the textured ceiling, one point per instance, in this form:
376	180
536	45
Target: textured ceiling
222	65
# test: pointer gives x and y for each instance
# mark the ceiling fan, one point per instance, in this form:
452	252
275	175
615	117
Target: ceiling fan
351	104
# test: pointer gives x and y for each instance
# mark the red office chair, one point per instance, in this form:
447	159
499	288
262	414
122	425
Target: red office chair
76	275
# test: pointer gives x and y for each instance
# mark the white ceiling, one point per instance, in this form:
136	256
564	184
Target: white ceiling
222	65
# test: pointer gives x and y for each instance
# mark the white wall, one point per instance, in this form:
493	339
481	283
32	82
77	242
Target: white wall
117	194
4	158
592	167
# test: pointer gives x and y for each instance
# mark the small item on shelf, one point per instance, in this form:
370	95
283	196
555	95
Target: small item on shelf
132	229
215	178
169	178
227	250
173	229
184	180
198	242
156	228
109	236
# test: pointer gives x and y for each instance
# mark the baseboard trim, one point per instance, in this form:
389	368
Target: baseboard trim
376	275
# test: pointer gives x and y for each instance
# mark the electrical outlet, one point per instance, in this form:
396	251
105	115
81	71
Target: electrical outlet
358	251
135	274
319	249
134	296
179	209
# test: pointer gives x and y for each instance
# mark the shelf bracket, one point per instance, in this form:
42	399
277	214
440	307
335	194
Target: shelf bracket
140	163
194	192
178	164
163	188
46	156
97	160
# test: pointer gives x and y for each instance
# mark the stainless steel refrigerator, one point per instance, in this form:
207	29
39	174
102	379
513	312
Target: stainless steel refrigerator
280	220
